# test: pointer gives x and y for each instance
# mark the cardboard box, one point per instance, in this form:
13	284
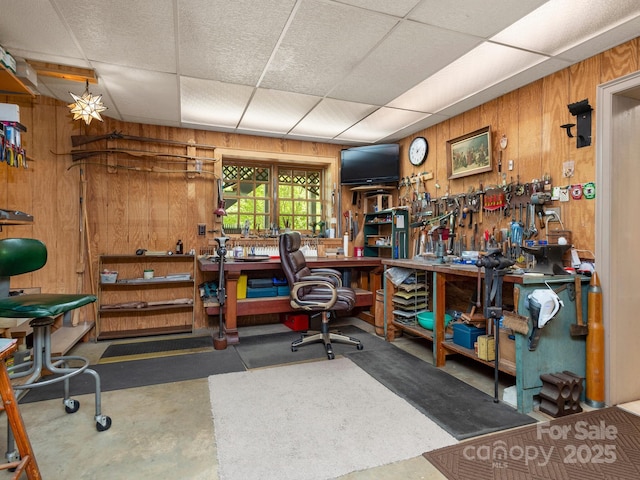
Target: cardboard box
507	350
486	348
9	112
466	335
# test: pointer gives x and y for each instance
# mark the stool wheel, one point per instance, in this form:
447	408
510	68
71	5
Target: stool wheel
103	423
71	405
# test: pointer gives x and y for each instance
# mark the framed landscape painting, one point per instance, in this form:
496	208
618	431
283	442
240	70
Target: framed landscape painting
469	154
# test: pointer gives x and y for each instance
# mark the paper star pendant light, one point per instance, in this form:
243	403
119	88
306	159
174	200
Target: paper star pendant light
87	107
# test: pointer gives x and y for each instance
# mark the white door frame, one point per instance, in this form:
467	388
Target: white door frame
604	204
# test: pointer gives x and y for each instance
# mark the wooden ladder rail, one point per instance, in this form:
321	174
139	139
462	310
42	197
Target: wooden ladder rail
27	462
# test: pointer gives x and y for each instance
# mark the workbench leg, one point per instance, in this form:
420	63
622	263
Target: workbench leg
390	329
439	290
231	307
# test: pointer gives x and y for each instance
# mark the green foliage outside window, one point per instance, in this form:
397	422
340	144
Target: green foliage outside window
248	197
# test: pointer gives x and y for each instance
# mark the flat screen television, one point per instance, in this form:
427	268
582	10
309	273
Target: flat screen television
370	164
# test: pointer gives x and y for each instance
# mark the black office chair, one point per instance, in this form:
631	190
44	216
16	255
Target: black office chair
24	255
317	291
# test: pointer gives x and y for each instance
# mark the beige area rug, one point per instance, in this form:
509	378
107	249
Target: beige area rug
313	421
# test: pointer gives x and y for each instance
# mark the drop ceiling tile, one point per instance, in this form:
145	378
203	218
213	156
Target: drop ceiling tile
212	103
604	41
323	44
136	34
482	19
411	53
276	112
398	8
481	68
380	124
35	27
229	41
141	93
331	117
566	24
60	88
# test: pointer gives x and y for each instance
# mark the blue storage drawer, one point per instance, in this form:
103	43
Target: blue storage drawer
466	335
262	292
283	290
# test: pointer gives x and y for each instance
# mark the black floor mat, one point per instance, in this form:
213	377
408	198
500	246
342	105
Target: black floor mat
140	373
459	408
150	347
275	349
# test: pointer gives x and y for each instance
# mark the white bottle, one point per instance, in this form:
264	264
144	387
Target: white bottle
345	244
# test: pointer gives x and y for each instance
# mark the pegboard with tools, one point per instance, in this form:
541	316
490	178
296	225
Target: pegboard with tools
506	216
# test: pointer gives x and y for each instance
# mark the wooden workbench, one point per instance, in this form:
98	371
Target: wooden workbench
557	350
368	282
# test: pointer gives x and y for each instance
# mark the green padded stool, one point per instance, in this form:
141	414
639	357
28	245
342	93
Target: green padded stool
24	255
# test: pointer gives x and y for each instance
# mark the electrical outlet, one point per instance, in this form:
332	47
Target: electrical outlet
510	165
202	229
555	211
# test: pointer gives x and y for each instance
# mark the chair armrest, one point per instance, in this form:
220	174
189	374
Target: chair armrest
328	272
317	281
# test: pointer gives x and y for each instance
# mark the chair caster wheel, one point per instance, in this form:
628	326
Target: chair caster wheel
330	355
71	406
294	349
103	423
359	346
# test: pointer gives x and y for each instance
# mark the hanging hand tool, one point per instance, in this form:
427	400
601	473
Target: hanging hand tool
579	328
481	193
527	230
220	211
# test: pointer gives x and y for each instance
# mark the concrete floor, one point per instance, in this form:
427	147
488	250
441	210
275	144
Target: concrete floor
164	431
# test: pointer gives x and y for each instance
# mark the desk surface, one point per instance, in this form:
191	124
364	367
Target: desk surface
472	271
211	265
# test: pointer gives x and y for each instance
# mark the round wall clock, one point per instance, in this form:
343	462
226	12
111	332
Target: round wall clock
418	151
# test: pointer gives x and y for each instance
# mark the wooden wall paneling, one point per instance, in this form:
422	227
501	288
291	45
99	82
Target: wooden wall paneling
155	234
528	163
51	221
67	205
199	204
556	145
507	124
443	133
488	115
620	61
117	214
584	78
145	191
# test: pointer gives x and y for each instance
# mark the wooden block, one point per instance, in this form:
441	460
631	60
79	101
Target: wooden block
486	348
